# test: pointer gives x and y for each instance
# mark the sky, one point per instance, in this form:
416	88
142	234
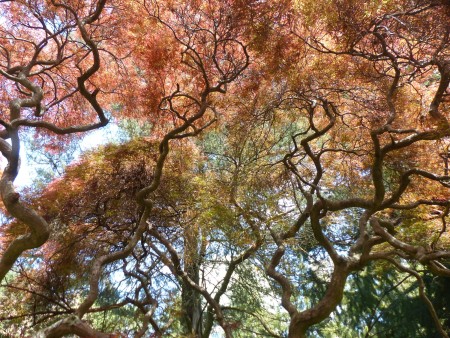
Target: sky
92	140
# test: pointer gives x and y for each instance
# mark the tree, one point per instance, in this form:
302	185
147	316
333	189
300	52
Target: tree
297	152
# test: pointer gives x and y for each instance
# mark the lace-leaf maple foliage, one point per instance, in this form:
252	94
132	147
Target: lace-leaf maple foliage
316	138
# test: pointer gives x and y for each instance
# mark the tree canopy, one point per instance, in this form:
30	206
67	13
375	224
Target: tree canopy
268	168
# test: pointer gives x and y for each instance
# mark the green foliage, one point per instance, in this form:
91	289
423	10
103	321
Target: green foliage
251	304
380	302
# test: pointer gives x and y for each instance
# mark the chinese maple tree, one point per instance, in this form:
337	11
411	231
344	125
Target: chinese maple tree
291	144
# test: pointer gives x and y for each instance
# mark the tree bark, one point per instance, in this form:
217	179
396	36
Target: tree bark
70	325
302	321
190	298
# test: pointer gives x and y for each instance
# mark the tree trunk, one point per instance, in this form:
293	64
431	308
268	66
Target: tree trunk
302	321
190	298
